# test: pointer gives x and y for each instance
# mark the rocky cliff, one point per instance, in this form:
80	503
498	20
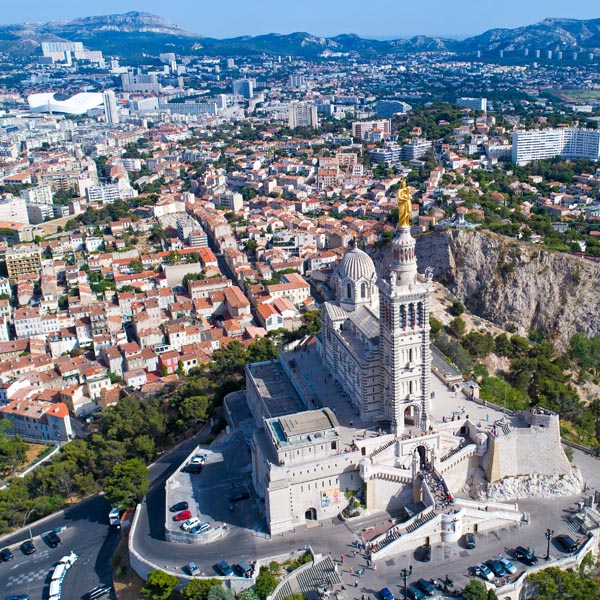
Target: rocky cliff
514	283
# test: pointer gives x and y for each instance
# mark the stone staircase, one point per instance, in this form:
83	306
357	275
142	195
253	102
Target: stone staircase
505	428
391	536
307	581
321	574
381	448
453	451
396	478
425	517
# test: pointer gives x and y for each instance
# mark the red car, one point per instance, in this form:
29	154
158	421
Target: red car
184	515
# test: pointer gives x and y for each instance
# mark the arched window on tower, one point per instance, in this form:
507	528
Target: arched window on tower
410	388
410	355
403	317
348	291
411	315
421	314
363	290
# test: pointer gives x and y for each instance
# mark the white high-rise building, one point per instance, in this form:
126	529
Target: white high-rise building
473	103
13	210
111	112
243	87
303	114
566	142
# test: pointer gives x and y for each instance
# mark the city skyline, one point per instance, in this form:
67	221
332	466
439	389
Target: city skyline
213	20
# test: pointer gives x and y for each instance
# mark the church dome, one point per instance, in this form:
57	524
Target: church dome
356	265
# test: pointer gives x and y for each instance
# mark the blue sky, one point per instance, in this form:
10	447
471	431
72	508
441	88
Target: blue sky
369	18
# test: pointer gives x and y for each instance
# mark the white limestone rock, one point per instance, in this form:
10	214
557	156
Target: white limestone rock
527	486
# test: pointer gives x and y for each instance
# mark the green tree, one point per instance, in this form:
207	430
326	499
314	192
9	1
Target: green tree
12	449
553	583
456	309
457	326
198	589
435	325
218	592
520	345
137	266
248	594
126	484
478	344
475	590
159	585
265	583
194	408
502	345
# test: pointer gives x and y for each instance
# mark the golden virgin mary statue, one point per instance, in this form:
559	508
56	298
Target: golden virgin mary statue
404	199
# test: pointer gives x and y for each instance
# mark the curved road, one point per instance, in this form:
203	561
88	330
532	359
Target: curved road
86	532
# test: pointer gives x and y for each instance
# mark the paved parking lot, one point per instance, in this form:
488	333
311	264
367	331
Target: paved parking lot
225	473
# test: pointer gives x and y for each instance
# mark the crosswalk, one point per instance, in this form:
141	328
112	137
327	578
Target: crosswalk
28	577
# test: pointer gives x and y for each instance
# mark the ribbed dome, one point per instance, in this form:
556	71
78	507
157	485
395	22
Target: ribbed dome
356	265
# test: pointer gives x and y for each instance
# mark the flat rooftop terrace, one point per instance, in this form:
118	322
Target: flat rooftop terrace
276	389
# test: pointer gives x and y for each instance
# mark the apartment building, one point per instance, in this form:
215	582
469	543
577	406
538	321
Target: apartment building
567	142
23	260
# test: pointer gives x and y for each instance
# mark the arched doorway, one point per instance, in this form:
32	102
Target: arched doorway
412	415
311	514
423	454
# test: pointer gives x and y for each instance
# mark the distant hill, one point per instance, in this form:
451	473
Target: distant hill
549	34
139	33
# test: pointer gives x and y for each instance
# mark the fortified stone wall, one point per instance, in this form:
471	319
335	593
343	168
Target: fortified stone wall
526	451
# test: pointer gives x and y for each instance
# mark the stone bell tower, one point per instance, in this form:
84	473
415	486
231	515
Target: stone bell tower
404	338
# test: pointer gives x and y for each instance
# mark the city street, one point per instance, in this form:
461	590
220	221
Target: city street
86	533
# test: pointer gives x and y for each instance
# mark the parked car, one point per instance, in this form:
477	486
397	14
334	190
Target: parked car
98	592
192	569
508	566
414	593
469	541
184	515
6	555
198	459
525	556
17	597
484	572
425	552
52	539
190	523
27	547
193	468
239	496
567	543
426	586
179	507
496	567
224	568
386	594
200	528
243	569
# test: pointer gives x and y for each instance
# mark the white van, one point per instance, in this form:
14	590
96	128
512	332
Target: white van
59	572
55	589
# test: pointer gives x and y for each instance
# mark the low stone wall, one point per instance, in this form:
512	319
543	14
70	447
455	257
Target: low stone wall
184	537
514	590
142	566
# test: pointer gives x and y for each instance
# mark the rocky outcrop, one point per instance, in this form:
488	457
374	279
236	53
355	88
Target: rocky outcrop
514	283
526	486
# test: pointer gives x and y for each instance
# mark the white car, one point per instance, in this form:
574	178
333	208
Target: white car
190	523
484	572
510	568
198	459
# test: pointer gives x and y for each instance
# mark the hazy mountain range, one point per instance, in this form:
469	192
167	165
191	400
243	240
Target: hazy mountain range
138	33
